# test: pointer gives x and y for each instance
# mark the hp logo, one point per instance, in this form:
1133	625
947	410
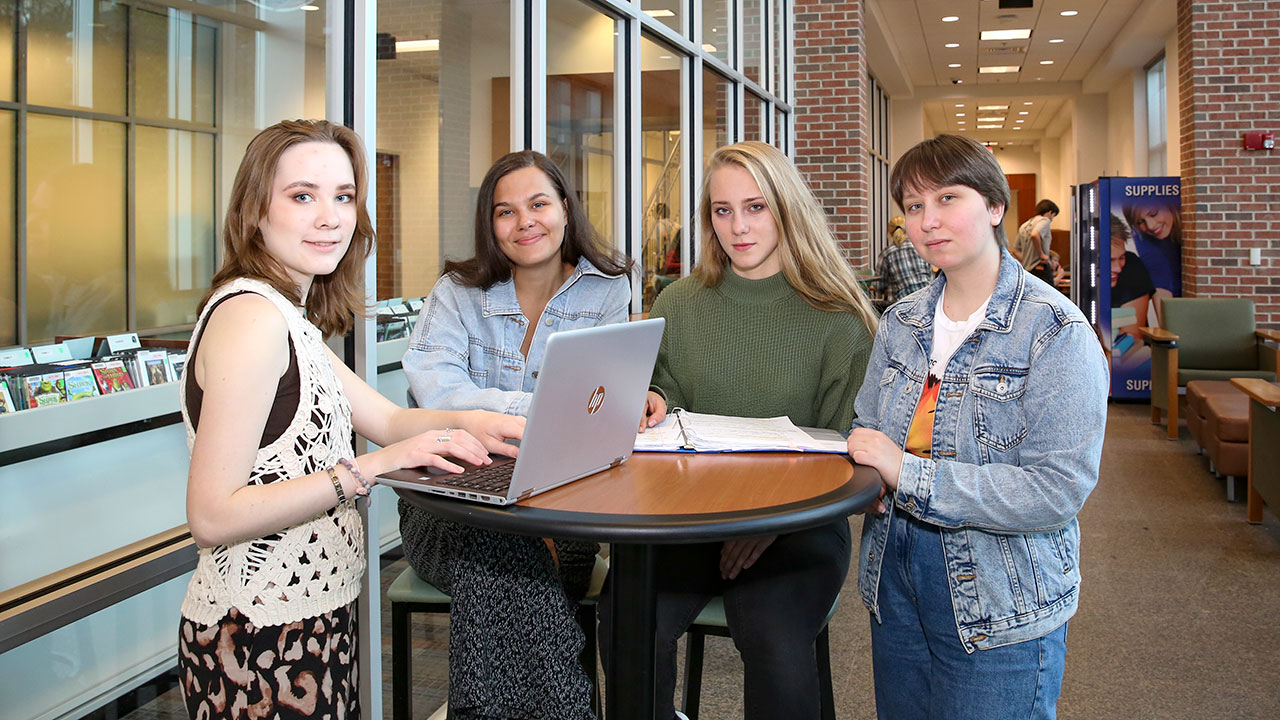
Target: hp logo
595	401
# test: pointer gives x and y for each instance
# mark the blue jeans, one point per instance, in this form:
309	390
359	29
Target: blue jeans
921	669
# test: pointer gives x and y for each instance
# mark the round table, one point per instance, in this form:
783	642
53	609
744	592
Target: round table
659	498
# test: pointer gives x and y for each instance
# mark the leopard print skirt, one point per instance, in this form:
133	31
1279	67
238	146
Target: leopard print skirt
238	671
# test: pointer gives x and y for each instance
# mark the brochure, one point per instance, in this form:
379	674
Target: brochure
684	431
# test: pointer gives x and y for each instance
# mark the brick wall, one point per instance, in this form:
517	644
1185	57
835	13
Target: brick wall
831	116
1230	50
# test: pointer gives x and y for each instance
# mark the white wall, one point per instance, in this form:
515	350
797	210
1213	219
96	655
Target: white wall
907	126
1124	108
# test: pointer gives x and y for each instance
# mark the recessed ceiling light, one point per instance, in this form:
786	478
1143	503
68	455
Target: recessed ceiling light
959	104
953	65
1020	121
1028	102
991	119
309	8
659	13
1055	41
1023	112
993	107
708	47
952	45
664	57
1069	13
959	114
1020	34
990	127
1017	128
1046	62
1039	78
999	69
408	46
950	18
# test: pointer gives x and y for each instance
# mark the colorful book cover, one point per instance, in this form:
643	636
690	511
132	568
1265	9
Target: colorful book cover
152	366
6	399
46	389
112	376
79	383
177	361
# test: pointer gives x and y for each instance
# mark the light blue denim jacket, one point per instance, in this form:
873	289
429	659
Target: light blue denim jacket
1017	438
465	350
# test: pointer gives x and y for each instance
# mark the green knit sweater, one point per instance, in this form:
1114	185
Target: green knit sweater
755	348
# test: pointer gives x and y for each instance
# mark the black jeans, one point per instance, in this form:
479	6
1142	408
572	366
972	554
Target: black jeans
775	610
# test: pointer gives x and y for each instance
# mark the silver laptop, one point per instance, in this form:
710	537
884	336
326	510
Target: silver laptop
583	418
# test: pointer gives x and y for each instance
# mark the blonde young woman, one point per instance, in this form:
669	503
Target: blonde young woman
771	323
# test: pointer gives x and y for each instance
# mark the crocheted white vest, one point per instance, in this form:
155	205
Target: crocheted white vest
315	566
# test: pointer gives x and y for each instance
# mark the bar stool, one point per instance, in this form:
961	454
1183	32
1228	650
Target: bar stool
410	594
712	621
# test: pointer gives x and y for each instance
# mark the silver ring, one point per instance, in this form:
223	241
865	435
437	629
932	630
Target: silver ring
446	437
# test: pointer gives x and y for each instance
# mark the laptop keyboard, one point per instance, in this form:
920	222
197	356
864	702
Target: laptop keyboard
494	479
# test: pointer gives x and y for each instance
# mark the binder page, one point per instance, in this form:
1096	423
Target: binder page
666	436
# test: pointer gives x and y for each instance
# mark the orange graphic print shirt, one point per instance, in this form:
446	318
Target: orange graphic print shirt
920	435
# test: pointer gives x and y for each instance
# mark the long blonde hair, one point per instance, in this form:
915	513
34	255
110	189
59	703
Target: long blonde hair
811	261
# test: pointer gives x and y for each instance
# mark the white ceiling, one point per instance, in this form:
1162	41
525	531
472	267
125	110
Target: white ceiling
906	41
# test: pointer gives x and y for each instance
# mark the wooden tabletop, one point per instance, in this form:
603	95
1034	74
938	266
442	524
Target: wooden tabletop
1267	393
681	497
1156	334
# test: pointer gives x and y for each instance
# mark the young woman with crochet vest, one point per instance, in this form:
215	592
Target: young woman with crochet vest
539	268
772	322
268	623
983	409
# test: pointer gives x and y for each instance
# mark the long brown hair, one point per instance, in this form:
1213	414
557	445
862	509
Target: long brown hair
333	298
490	265
811	260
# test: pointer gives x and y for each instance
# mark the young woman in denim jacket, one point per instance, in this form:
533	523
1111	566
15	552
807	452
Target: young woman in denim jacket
539	268
997	388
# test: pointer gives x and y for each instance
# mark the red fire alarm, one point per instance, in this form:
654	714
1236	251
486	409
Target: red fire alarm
1259	140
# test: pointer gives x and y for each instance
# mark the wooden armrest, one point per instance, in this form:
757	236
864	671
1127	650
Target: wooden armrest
1158	335
1268	335
1264	392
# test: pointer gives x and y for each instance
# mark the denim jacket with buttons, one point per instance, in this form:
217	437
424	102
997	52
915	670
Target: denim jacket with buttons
465	350
1017	439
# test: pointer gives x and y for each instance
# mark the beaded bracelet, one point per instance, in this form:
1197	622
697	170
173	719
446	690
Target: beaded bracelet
337	485
354	469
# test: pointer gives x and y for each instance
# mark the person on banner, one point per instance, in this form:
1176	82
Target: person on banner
1157	239
1131	292
984	411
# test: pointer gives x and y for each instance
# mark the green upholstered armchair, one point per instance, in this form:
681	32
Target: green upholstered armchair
1206	339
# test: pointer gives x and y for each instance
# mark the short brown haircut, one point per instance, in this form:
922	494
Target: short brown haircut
952	160
490	265
334	298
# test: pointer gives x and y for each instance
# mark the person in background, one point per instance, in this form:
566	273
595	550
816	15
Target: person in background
1035	239
539	268
771	322
268	622
902	271
984	411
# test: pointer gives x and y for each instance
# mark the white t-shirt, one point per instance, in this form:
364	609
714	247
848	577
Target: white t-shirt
948	334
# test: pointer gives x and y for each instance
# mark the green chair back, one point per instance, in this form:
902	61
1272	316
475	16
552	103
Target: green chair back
1213	333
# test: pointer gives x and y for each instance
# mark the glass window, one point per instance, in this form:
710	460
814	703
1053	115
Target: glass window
75	228
753	122
7	27
444	106
753	39
174	63
8	248
780	130
717	38
717	110
667	12
580	122
777	58
76	55
174	238
661	212
1157	137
